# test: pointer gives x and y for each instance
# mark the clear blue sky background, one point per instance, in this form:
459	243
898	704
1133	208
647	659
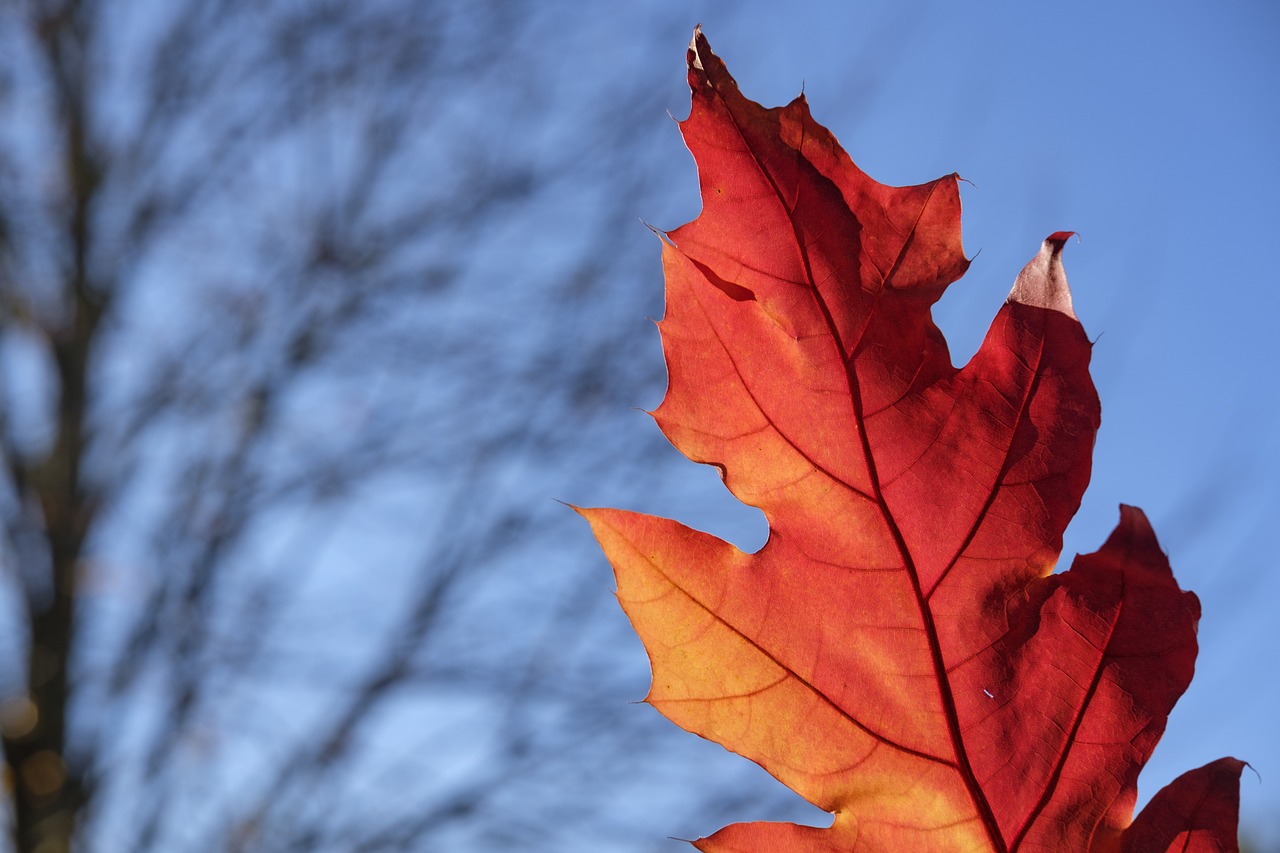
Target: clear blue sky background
1152	130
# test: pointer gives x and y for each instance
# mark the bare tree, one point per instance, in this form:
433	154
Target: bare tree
296	300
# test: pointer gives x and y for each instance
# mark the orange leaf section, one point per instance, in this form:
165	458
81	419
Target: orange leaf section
899	652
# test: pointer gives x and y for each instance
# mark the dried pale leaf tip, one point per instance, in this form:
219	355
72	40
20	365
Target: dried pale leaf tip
1043	282
695	61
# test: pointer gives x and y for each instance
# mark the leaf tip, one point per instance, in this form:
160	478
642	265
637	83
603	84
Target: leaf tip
1133	544
695	43
1134	527
661	235
1043	282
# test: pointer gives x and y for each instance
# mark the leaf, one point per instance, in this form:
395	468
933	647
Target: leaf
899	652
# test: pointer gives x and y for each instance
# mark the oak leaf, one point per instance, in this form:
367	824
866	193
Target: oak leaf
899	652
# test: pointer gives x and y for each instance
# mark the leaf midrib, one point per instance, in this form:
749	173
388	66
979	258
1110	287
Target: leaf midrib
976	793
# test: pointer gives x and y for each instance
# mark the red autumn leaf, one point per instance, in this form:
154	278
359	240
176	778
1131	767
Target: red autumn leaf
899	652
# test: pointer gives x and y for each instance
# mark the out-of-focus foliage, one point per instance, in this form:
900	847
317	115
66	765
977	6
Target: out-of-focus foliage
298	299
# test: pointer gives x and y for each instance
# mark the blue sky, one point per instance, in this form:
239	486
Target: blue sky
1151	130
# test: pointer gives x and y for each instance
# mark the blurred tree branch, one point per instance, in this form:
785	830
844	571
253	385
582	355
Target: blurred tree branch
281	411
